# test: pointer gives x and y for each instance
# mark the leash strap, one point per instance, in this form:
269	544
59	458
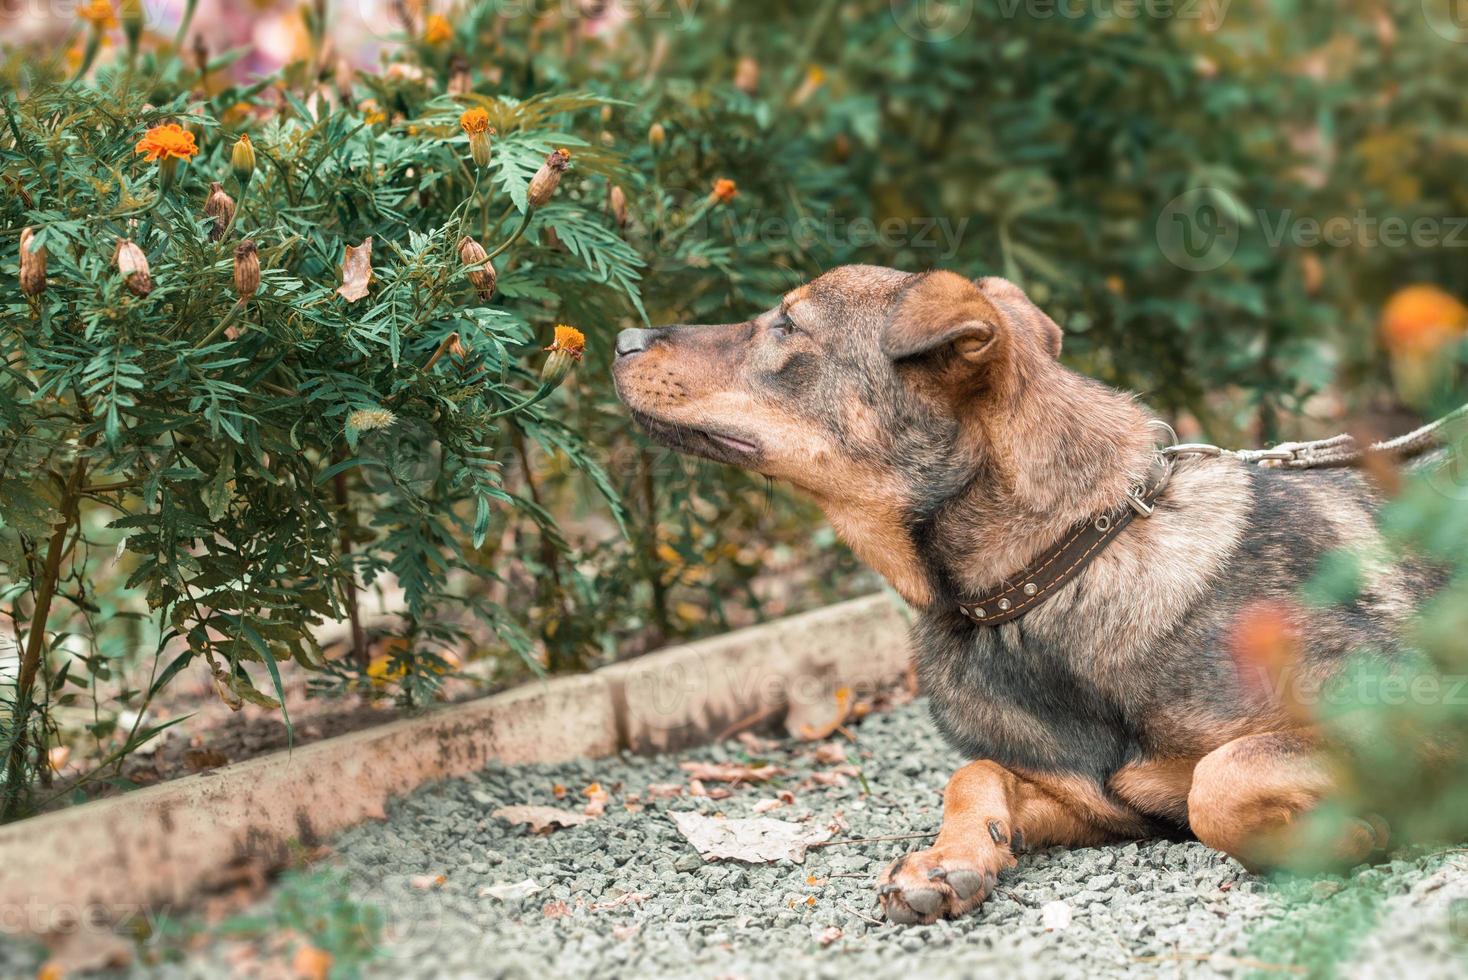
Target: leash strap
1086	541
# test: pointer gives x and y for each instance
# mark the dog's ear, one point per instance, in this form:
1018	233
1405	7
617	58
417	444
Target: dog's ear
1021	314
942	310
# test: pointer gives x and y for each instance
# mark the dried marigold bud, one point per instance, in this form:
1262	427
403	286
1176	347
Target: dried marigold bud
133	264
32	265
461	82
565	354
617	203
219	206
480	270
746	76
246	269
657	136
548	178
242	160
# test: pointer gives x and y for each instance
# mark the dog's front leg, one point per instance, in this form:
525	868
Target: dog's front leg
989	814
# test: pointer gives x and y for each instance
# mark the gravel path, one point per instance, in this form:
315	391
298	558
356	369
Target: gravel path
626	895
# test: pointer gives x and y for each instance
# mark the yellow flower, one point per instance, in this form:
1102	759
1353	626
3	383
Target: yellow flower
242	160
725	190
570	340
372	114
167	142
437	30
99	14
474	121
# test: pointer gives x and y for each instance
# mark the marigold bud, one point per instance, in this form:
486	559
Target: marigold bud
32	265
617	202
133	264
461	82
475	123
480	270
548	178
657	135
242	160
246	269
746	76
132	17
219	206
565	354
724	190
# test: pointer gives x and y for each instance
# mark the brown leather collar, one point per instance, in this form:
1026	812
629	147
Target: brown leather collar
1067	559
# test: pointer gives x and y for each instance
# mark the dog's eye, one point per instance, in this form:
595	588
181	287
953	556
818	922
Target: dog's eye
782	327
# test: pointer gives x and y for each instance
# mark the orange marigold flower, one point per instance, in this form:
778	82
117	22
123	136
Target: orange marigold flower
437	30
725	190
474	121
167	142
569	340
99	14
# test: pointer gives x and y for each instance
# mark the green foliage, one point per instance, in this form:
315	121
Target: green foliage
215	502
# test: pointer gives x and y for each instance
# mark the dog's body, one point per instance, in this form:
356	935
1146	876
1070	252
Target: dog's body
932	420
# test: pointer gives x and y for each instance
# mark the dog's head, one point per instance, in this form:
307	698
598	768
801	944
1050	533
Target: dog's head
867	388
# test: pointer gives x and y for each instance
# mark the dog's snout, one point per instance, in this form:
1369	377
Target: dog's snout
634	341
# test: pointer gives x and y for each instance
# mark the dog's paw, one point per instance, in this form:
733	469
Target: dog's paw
925	886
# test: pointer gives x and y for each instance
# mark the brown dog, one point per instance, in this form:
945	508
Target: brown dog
932	420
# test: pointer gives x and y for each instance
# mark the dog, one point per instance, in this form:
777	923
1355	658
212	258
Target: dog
930	417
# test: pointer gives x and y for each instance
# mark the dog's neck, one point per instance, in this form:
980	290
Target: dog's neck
1054	451
1059	450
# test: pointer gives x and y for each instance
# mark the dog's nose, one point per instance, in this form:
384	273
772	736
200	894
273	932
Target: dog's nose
633	341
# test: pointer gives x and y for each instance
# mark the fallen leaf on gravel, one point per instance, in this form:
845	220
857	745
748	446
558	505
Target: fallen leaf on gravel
556	910
697	788
830	935
813	722
311	963
356	271
542	819
834	777
1055	915
755	745
624	933
759	840
510	893
425	882
831	753
598	798
729	772
664	791
559	791
765	806
630	898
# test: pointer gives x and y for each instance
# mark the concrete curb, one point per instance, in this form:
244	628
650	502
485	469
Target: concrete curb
160	846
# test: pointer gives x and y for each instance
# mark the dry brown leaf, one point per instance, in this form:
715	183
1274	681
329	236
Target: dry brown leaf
542	819
759	840
629	898
598	799
832	716
356	271
311	963
829	935
664	791
730	772
510	892
766	805
755	745
425	882
556	910
830	753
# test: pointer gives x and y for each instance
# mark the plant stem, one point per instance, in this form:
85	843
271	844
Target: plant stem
524	223
360	653
30	664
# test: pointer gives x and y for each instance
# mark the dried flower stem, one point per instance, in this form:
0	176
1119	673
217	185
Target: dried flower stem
524	223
